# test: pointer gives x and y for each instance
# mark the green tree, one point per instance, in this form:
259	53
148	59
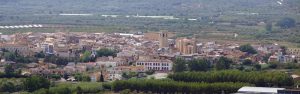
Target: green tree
273	65
7	87
247	48
35	82
247	62
199	65
101	77
179	65
79	90
223	63
9	70
86	57
106	52
286	23
269	26
39	55
257	67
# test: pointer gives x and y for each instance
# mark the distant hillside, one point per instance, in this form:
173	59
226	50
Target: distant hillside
148	7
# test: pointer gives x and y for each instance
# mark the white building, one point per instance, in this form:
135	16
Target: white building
155	64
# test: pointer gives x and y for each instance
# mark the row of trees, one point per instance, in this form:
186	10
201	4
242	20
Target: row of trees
172	87
258	78
221	63
29	84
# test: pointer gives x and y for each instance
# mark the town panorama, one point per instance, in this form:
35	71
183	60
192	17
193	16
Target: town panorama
149	47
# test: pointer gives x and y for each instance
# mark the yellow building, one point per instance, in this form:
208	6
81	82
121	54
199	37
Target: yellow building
186	46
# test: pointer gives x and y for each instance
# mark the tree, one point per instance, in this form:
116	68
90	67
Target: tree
9	70
269	26
7	87
81	77
86	57
223	63
273	65
259	78
106	52
257	67
286	23
179	65
150	72
101	77
247	62
247	48
40	55
35	82
199	65
79	90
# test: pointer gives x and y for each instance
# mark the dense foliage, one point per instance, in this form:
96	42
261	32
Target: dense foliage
179	65
169	86
11	84
199	65
286	23
35	82
247	48
223	63
82	77
258	78
17	57
106	52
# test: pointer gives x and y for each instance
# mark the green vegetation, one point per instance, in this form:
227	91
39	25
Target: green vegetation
83	87
247	48
82	77
39	85
35	82
286	23
16	57
278	79
86	57
169	86
223	63
199	65
106	52
11	84
58	60
179	65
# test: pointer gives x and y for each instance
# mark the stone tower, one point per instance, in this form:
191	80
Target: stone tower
163	40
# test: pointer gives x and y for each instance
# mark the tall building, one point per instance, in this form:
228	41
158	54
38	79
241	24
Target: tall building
154	36
186	46
163	40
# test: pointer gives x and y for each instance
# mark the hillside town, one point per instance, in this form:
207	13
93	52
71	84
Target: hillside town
117	56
